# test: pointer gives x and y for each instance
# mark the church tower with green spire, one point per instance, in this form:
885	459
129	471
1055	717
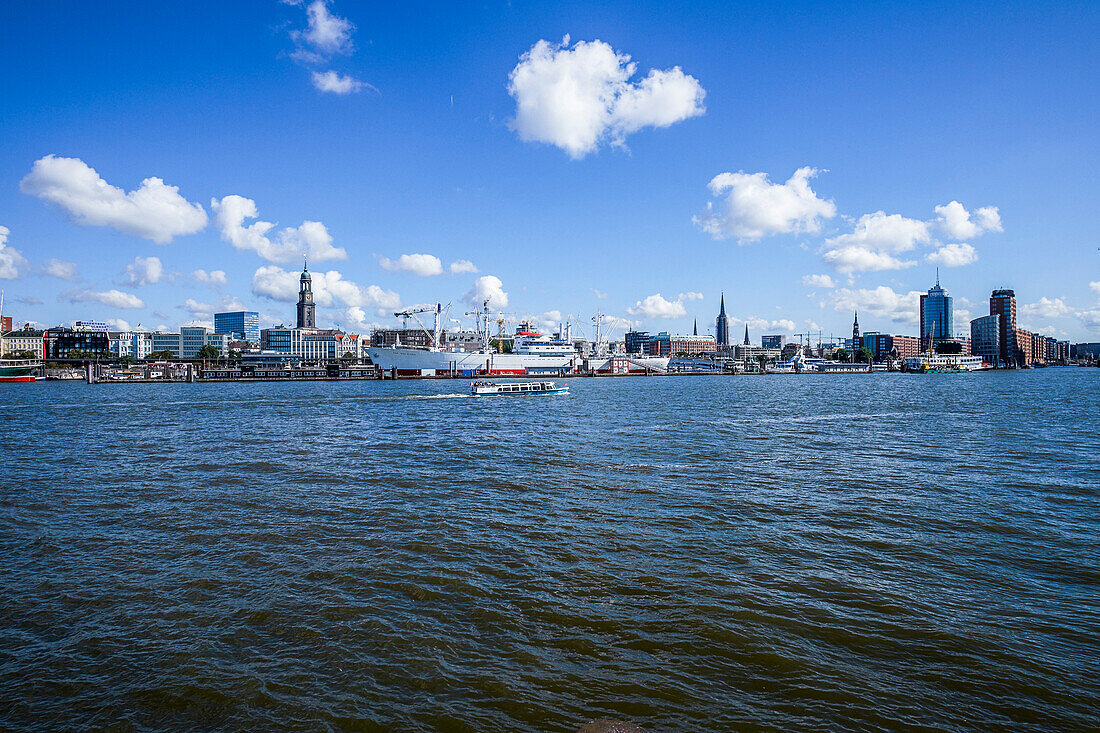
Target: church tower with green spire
307	309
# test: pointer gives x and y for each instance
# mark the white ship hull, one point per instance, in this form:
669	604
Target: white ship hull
634	362
409	361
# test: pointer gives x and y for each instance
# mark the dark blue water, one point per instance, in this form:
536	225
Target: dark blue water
697	553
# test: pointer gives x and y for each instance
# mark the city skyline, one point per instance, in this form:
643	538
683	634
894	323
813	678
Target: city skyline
160	192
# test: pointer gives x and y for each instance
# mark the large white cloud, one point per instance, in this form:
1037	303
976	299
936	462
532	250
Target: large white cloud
144	271
881	302
417	264
155	210
578	97
818	281
335	83
957	223
756	207
874	243
953	255
329	288
658	306
487	288
60	269
214	278
459	267
112	298
10	258
311	239
1045	308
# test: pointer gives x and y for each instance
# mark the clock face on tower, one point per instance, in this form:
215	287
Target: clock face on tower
309	297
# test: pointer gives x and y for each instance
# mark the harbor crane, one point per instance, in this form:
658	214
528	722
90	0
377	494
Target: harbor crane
408	313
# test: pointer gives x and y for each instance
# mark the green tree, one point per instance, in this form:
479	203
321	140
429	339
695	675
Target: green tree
348	356
841	354
865	355
162	355
209	352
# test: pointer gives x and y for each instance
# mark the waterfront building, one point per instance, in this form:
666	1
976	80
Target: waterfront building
60	342
722	326
752	353
666	344
936	315
773	342
881	345
241	325
19	342
186	343
311	343
789	351
5	324
466	340
134	344
307	309
985	338
1025	344
403	336
905	346
637	342
1085	351
1003	303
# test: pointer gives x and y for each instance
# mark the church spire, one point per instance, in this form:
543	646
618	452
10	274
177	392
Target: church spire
695	330
722	307
746	334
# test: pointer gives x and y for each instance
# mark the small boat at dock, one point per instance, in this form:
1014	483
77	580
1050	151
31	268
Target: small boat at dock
490	389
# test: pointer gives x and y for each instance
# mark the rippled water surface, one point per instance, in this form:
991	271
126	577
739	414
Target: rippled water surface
711	553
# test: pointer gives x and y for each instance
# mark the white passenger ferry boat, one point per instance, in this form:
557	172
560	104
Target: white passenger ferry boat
487	389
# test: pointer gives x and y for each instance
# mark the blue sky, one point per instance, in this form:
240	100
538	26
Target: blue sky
568	183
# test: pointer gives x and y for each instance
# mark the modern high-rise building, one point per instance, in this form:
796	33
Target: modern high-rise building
241	325
722	326
936	316
985	338
637	342
1003	303
773	342
307	309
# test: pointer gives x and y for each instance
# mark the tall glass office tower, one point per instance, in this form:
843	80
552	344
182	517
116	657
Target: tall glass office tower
936	316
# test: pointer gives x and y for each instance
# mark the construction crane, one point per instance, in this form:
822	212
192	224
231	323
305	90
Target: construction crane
408	313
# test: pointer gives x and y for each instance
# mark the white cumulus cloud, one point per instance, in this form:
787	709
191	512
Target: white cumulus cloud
214	277
60	269
874	242
1094	286
144	271
881	302
953	255
490	288
1045	308
957	223
112	298
418	264
818	281
460	267
755	207
311	239
10	258
578	97
331	81
657	306
155	210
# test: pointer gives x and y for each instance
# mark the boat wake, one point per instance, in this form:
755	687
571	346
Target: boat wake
452	396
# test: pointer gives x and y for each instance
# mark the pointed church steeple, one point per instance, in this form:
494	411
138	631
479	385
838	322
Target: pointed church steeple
722	326
746	334
695	329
